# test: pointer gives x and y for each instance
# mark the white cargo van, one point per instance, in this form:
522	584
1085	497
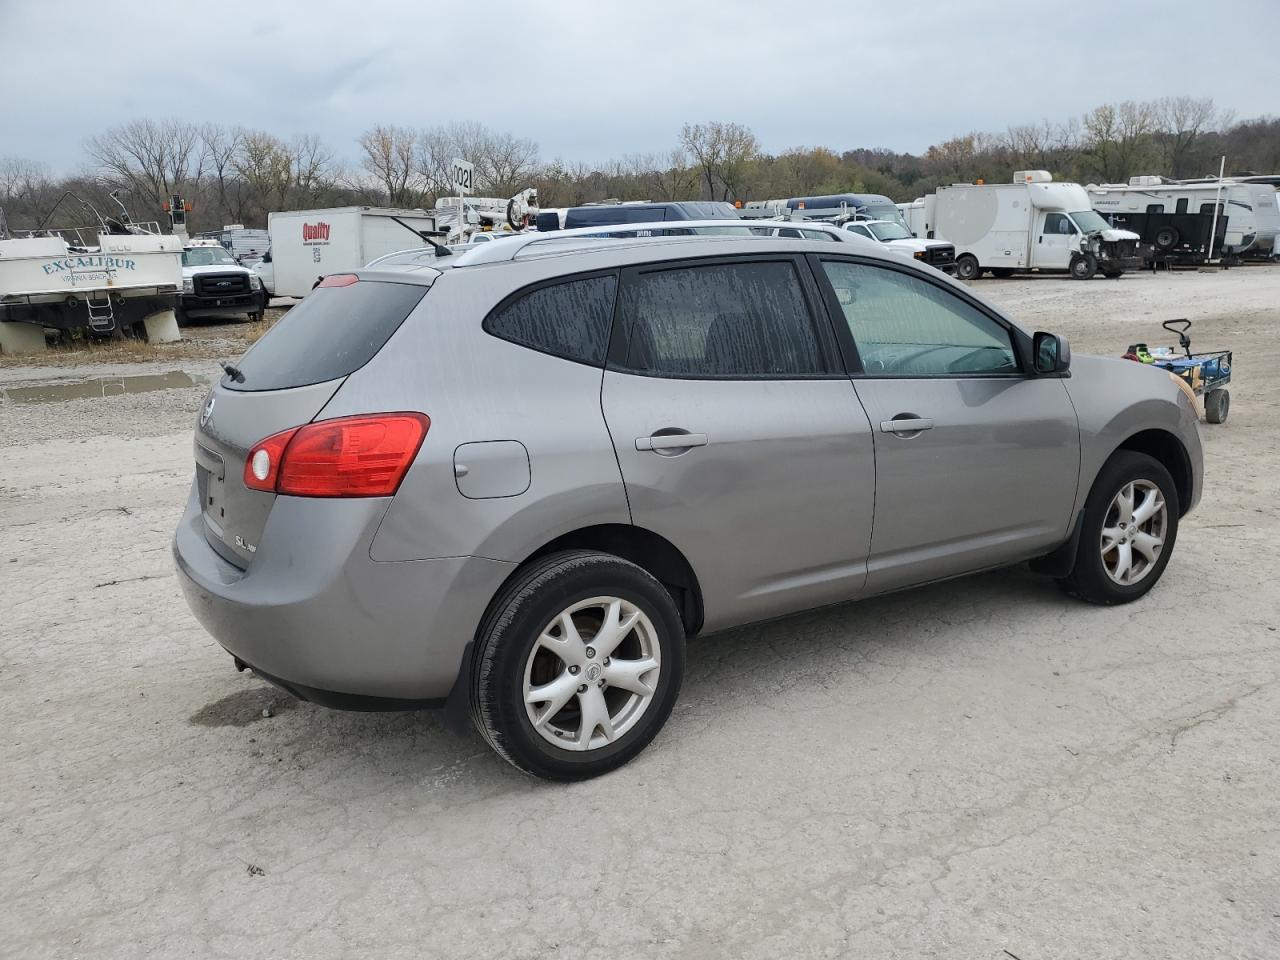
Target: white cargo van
1029	224
309	244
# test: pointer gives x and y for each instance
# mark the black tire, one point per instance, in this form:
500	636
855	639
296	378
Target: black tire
1113	274
1089	579
527	604
1166	238
1084	266
967	267
1002	273
180	316
1217	404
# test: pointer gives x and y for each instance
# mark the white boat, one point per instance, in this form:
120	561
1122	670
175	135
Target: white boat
113	277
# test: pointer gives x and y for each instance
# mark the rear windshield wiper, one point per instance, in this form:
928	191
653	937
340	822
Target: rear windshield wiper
232	371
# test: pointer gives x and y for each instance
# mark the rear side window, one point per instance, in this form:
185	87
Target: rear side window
569	319
333	333
733	320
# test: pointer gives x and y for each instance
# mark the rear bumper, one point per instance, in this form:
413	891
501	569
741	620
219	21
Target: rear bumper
315	615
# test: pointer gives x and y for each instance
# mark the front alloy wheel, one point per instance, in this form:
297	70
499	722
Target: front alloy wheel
1133	532
1127	532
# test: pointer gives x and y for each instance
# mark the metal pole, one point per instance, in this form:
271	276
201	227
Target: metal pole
1217	202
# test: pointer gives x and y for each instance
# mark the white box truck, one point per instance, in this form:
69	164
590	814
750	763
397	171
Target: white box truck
1029	224
309	244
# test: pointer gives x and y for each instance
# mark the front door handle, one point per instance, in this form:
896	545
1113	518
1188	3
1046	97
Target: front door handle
671	441
903	424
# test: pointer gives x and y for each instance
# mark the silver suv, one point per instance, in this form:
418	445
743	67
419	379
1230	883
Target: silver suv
517	479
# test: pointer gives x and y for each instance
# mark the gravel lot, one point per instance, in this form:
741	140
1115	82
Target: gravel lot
978	769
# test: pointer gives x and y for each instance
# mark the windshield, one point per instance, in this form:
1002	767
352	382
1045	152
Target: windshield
883	211
206	257
1088	221
890	231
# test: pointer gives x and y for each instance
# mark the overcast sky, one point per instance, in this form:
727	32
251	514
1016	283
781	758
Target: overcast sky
593	80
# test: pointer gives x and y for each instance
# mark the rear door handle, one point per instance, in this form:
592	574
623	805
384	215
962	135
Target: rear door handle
906	425
671	441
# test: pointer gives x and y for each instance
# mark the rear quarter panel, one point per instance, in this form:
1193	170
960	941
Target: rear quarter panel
477	388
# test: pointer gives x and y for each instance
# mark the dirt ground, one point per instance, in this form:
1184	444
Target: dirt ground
978	769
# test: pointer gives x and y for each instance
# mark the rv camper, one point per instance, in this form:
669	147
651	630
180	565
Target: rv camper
1249	208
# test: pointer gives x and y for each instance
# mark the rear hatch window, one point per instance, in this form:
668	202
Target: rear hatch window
334	332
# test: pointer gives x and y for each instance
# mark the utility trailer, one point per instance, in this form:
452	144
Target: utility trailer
1170	238
309	244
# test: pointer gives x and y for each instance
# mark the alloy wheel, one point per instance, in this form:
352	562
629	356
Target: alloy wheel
1133	532
592	673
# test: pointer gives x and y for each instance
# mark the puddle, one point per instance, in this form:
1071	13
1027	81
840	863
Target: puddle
100	387
243	708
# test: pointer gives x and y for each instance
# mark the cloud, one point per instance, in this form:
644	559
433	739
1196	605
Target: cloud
593	80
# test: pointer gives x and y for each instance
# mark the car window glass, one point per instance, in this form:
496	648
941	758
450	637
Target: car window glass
905	326
720	320
570	319
1057	223
1181	205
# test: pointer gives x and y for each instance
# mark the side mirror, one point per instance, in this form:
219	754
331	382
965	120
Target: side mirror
1052	354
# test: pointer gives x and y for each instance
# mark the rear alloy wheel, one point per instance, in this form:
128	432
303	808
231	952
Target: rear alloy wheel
1129	528
1084	266
580	660
967	267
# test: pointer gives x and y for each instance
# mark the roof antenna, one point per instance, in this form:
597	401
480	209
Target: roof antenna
441	249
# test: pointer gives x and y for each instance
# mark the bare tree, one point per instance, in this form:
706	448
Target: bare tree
722	152
150	159
1182	123
1118	139
390	157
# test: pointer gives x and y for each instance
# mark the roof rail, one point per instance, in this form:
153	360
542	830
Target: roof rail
511	246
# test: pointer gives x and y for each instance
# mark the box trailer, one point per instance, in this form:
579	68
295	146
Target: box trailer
309	244
1030	224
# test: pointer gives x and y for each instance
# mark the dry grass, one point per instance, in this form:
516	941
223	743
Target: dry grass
203	342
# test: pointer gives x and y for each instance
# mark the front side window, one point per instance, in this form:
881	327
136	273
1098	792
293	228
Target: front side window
1057	224
569	319
907	327
860	231
732	320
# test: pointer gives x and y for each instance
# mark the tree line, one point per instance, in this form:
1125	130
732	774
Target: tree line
239	175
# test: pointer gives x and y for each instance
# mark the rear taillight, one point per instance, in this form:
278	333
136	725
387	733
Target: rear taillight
363	456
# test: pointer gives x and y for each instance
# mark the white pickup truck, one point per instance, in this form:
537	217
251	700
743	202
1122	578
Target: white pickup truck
936	253
213	284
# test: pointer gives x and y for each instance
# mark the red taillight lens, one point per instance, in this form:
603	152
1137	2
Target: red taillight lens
364	456
262	465
339	280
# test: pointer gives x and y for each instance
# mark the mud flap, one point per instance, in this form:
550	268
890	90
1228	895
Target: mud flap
457	708
1061	561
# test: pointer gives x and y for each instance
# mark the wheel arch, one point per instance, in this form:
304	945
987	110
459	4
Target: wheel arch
1167	449
646	549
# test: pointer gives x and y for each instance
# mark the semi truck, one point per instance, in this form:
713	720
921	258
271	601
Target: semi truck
1030	224
309	244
